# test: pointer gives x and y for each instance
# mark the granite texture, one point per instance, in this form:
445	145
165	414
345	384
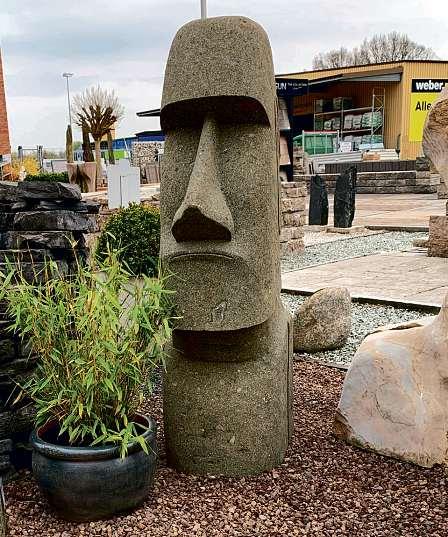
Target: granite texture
226	402
225	60
220	220
394	398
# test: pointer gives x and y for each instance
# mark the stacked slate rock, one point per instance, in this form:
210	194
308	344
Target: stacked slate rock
38	221
344	198
318	211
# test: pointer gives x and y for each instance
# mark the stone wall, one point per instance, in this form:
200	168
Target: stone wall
38	221
293	209
144	155
402	182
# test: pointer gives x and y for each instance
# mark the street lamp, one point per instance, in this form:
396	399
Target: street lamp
203	9
67	76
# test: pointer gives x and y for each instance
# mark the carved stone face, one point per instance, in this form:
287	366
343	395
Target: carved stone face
219	187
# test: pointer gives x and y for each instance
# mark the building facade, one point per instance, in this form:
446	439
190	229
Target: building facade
5	145
402	92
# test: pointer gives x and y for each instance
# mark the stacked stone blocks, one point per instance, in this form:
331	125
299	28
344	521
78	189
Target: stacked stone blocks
402	182
38	222
293	209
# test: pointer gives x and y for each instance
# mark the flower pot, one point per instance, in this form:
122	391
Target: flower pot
89	483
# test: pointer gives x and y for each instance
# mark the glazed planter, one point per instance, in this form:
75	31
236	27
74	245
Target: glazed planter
90	483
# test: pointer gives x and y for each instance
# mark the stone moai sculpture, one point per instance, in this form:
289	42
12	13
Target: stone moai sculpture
345	198
227	387
435	140
394	400
318	211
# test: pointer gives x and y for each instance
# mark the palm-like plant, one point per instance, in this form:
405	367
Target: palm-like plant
98	110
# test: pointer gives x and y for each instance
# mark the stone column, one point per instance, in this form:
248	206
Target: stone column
293	207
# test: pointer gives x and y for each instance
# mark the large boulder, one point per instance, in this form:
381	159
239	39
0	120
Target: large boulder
323	322
394	400
435	140
47	190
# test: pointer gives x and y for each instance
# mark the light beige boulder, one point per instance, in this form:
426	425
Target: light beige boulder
395	396
323	322
435	140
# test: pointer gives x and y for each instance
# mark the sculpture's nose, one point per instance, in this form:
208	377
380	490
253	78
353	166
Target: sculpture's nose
204	214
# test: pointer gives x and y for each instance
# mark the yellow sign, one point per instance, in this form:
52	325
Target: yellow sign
424	94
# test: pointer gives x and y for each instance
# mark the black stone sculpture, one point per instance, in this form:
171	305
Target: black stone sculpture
344	198
318	212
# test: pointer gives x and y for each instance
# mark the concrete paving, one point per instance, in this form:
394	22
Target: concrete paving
395	210
409	278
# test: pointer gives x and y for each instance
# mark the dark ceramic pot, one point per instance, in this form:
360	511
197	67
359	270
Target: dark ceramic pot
90	483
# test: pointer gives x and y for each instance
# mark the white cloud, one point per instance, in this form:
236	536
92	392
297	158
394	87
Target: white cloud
123	45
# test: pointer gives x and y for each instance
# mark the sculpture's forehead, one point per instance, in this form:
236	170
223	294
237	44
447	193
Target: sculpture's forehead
223	59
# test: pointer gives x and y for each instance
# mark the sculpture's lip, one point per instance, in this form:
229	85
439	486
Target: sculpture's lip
188	253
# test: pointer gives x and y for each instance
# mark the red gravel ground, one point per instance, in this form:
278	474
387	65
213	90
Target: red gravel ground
324	488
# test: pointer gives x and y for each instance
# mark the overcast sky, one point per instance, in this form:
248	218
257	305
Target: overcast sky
123	44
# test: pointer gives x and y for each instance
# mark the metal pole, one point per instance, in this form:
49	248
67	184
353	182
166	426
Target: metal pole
203	9
67	76
69	106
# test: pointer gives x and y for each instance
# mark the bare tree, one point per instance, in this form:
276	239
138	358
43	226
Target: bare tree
97	110
333	58
379	48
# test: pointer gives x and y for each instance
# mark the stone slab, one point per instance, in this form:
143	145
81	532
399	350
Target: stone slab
46	190
54	221
409	278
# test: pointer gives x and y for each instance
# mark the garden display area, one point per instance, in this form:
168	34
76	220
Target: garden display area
209	365
323	488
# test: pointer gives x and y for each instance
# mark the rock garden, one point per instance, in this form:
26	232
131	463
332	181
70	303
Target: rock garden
156	381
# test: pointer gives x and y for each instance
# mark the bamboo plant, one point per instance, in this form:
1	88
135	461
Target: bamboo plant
97	350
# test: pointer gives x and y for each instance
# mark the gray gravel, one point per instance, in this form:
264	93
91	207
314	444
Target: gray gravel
365	319
348	247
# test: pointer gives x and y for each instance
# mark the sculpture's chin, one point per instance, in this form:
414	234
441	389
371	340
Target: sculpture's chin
217	292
